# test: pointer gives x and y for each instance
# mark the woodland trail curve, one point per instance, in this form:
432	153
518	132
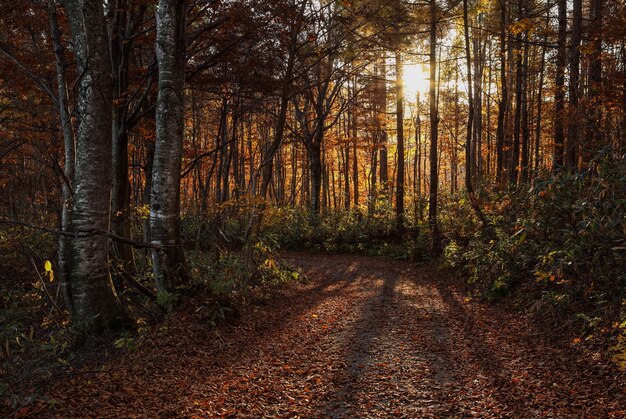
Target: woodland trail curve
365	337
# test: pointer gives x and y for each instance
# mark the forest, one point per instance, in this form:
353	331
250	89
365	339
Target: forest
313	208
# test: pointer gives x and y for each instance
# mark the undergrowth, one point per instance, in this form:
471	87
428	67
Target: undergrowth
561	242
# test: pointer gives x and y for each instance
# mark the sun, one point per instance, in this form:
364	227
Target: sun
416	81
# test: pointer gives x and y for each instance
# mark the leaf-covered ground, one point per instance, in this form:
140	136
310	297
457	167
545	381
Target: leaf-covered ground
365	337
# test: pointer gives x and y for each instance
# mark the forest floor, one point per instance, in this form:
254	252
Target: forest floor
364	337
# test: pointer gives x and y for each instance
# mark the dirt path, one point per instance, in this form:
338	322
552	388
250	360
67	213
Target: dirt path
365	338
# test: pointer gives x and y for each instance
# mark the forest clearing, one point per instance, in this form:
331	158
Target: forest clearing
312	208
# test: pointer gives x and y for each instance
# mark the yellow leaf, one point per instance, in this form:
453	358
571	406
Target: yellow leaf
48	267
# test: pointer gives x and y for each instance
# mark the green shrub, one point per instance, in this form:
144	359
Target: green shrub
567	232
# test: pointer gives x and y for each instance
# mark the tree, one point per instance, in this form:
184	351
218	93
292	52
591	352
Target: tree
68	148
285	94
519	99
559	95
504	96
594	137
470	104
323	77
93	300
125	24
574	76
400	141
169	264
434	132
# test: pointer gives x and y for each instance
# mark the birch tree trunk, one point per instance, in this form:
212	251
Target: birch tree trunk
169	264
95	305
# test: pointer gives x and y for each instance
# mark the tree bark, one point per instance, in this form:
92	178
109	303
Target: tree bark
120	196
94	302
382	134
574	76
542	65
525	128
314	149
355	160
69	154
479	67
169	265
595	138
517	119
372	195
559	95
400	143
470	104
504	99
434	133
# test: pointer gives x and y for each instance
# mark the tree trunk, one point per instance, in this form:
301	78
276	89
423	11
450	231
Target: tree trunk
355	162
94	302
595	139
517	119
400	144
489	161
220	143
325	193
69	154
147	191
454	184
346	176
479	66
622	143
574	76
382	134
559	95
417	166
169	264
372	195
120	195
315	162
434	123
353	145
542	65
525	127
504	99
470	105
